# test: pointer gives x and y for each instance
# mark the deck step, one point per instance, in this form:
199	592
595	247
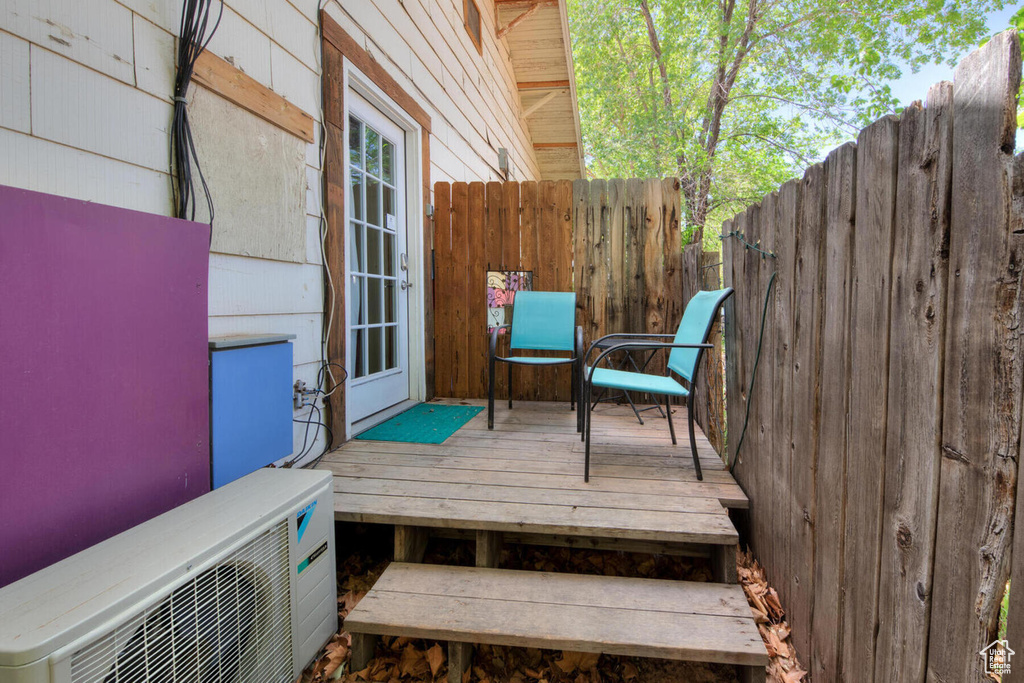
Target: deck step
690	621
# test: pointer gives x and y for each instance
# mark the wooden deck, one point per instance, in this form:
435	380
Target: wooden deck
526	477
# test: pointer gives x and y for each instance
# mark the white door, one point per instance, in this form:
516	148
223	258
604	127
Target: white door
377	275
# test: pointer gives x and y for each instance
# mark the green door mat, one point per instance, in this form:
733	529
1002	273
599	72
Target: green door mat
425	423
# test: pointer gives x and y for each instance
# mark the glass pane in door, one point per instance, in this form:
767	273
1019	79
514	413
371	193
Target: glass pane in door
374	254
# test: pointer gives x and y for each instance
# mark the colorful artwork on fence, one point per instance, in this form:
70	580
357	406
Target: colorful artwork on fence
501	293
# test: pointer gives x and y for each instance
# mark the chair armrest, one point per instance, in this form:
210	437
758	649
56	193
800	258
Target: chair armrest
622	335
639	346
579	343
494	338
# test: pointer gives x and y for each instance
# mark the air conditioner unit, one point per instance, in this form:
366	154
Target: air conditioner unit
236	586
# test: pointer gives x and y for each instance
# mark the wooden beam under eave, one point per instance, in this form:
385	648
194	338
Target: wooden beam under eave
554	145
542	101
542	85
238	87
502	32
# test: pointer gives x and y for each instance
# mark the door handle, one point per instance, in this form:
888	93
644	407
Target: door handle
404	262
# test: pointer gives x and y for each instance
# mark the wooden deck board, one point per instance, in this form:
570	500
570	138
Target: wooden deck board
633	617
526	476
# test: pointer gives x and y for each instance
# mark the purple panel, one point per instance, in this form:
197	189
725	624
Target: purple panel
103	361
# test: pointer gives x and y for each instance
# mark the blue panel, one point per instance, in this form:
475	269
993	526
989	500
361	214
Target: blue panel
251	409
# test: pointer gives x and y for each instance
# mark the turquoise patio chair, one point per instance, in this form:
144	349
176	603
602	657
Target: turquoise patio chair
685	352
541	321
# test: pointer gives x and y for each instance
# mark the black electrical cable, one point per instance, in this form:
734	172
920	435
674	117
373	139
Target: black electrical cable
753	373
194	35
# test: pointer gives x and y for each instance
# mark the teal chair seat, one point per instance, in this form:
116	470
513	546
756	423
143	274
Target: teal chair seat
685	349
541	321
635	381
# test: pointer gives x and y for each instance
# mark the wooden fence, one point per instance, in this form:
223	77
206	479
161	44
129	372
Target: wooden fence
615	243
881	451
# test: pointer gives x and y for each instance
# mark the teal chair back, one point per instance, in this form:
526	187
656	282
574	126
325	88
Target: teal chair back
694	329
544	321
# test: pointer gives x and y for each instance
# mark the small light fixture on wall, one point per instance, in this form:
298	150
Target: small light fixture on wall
504	163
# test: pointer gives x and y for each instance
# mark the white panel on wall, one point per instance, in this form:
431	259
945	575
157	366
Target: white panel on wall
35	164
237	42
294	32
78	107
154	59
97	33
305	327
15	111
313	239
294	81
257	178
164	13
248	286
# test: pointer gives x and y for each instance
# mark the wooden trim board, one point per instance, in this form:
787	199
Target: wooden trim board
236	86
339	46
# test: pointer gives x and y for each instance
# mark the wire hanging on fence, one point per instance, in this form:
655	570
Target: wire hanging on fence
737	235
193	39
753	372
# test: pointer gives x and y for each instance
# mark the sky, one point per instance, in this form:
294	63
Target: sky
915	86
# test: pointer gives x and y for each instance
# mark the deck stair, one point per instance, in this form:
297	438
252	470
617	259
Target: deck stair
681	620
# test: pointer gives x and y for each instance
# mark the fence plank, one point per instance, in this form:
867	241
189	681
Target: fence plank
510	260
674	302
633	274
460	290
917	327
510	257
983	369
615	301
529	249
830	501
808	293
580	249
781	433
877	156
443	327
764	403
712	407
1015	622
493	248
736	344
654	267
476	294
597	224
562	200
758	460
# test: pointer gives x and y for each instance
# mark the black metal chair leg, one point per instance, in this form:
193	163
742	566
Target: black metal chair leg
586	457
510	386
671	427
584	407
572	388
490	396
693	439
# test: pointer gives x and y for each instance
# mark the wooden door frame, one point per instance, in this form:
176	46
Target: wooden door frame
340	54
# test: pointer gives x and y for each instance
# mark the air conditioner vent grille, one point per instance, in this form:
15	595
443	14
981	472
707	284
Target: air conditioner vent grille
231	623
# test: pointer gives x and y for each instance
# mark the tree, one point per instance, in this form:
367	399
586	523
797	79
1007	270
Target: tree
736	96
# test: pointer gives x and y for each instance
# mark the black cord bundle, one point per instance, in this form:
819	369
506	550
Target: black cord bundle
193	39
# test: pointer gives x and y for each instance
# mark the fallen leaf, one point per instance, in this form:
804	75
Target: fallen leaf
435	657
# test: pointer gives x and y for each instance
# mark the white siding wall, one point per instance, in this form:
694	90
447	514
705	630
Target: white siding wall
85	105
